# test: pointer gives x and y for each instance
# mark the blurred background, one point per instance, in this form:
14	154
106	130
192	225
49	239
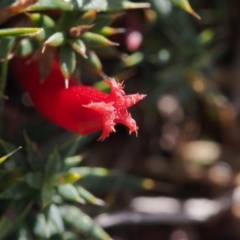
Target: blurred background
188	144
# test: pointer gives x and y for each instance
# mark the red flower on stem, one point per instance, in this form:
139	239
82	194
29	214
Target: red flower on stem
79	108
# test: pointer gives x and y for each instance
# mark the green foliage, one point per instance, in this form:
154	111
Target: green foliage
19	32
48	180
85	5
46	184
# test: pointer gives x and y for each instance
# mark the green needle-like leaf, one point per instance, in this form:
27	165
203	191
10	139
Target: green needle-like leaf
6	44
19	32
83	223
88	197
92	62
84	5
55	217
89	171
26	47
79	46
96	40
69	192
55	40
64	178
67	60
184	4
2	159
45	22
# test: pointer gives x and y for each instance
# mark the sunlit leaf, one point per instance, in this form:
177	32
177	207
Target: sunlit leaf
90	171
26	47
69	192
15	159
19	32
83	5
184	4
83	223
2	159
67	60
55	217
107	183
63	178
72	161
43	228
88	197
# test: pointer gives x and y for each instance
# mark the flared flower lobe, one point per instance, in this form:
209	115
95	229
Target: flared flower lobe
78	108
115	109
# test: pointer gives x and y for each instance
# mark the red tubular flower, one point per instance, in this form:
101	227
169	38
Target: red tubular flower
79	108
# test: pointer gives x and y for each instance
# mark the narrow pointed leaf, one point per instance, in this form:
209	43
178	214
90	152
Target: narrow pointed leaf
83	223
79	46
88	197
131	5
92	62
72	161
24	234
69	192
55	217
86	19
26	47
64	178
184	4
83	5
42	228
133	60
19	32
106	183
67	60
56	39
89	171
109	31
6	44
104	19
42	20
96	40
45	22
17	158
